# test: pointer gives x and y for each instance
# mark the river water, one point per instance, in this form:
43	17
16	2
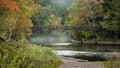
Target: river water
78	50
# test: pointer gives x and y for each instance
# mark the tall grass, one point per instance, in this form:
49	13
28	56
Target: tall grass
23	55
113	61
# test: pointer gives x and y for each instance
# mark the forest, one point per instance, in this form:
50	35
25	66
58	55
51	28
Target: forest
93	13
17	17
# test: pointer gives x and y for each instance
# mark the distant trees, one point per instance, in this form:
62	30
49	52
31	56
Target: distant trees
102	13
58	8
85	13
42	16
51	12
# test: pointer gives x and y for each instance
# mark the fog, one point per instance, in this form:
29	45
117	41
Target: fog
61	2
51	39
61	38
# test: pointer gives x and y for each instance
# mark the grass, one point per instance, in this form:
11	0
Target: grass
112	64
23	55
112	61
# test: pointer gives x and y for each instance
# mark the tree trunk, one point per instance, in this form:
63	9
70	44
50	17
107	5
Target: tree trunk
10	31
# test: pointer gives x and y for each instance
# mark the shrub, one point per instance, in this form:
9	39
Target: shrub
22	55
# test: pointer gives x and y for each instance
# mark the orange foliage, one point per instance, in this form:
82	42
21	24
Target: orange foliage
9	5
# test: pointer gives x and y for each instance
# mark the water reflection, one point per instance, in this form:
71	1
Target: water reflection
84	47
59	44
83	50
88	52
70	53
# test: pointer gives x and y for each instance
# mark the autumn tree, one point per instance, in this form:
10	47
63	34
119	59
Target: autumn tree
85	13
15	20
9	10
9	5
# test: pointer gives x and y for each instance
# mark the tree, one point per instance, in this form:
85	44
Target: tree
51	12
42	16
9	5
8	8
16	24
85	13
111	21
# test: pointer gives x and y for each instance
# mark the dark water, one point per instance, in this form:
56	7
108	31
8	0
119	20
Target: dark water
83	50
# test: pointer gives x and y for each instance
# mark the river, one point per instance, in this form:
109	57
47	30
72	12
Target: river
83	51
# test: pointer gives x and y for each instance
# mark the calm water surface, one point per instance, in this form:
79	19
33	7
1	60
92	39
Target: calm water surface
68	49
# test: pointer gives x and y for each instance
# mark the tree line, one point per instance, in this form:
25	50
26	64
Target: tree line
102	13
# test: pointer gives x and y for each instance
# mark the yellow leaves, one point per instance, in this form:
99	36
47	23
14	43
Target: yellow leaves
52	16
101	1
29	6
58	21
85	11
24	24
18	25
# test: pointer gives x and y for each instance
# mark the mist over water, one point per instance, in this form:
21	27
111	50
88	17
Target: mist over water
59	7
51	39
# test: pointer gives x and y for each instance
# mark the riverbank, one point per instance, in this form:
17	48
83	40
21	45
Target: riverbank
96	42
78	63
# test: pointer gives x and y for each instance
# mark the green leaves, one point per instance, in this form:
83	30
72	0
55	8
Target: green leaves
23	55
112	16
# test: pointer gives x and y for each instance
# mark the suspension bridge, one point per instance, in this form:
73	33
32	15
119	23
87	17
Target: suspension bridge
65	27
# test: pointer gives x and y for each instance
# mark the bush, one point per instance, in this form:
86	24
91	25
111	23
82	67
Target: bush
23	55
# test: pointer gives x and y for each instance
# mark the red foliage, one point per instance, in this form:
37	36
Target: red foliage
9	5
